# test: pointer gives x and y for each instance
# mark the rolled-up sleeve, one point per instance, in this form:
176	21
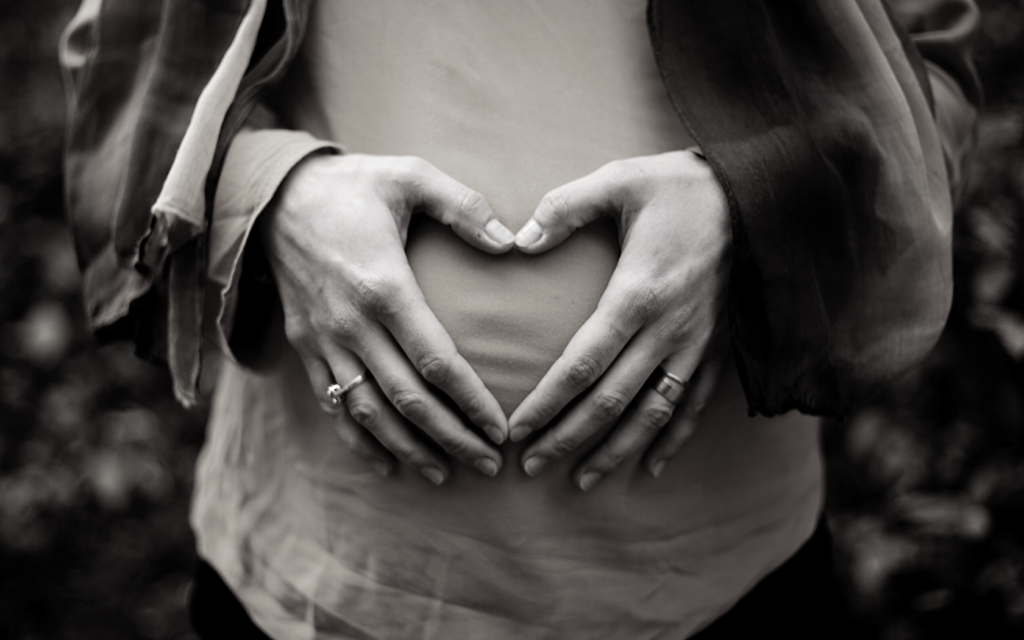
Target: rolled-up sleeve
255	166
839	130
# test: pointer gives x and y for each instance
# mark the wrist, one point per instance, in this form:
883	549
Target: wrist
294	193
717	194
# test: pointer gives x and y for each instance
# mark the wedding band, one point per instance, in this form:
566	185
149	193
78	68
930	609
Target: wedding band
337	393
671	386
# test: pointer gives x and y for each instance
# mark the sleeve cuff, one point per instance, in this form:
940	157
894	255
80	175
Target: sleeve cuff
255	166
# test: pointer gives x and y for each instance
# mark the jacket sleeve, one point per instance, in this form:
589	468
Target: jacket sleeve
156	92
839	130
942	32
256	164
105	77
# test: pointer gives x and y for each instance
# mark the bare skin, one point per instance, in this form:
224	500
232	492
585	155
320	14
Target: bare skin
665	297
335	237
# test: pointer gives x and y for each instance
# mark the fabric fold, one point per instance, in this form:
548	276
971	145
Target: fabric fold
795	129
256	164
821	132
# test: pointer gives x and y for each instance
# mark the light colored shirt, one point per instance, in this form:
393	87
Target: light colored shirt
512	99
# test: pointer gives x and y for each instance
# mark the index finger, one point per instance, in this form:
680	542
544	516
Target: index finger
622	311
433	353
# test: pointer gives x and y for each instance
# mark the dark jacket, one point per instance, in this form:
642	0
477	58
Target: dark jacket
839	129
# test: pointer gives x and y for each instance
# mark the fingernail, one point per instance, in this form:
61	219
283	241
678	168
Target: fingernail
589	479
657	467
433	474
499	232
496	435
381	467
529	234
533	466
518	433
486	466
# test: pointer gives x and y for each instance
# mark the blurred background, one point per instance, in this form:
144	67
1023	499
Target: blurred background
926	486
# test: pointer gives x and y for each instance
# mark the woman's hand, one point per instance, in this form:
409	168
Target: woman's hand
660	307
335	237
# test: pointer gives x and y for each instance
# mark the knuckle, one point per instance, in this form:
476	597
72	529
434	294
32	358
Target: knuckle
411	167
655	418
344	326
407	456
610	460
562	446
406	453
645	300
412	405
557	202
379	294
609	405
617	171
334	324
618	168
453	444
473	406
631	173
470	201
622	177
371	288
582	372
686	324
435	369
364	412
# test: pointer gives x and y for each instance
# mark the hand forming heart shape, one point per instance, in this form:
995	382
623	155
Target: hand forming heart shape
350	297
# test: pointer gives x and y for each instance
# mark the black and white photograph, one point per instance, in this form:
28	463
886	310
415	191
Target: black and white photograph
511	319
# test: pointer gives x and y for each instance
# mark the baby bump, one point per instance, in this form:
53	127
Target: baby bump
738	499
511	316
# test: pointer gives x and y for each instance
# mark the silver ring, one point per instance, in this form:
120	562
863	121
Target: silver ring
670	386
337	393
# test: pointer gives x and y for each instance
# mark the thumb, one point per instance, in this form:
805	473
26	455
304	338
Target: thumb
466	211
563	211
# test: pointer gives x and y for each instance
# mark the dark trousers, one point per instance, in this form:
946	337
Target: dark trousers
800	599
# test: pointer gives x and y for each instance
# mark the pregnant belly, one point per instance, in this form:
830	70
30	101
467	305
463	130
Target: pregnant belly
740	498
511	315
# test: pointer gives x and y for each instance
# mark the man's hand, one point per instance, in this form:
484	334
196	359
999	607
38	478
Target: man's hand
335	237
660	307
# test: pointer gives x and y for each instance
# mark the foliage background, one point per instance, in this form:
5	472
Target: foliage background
926	486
